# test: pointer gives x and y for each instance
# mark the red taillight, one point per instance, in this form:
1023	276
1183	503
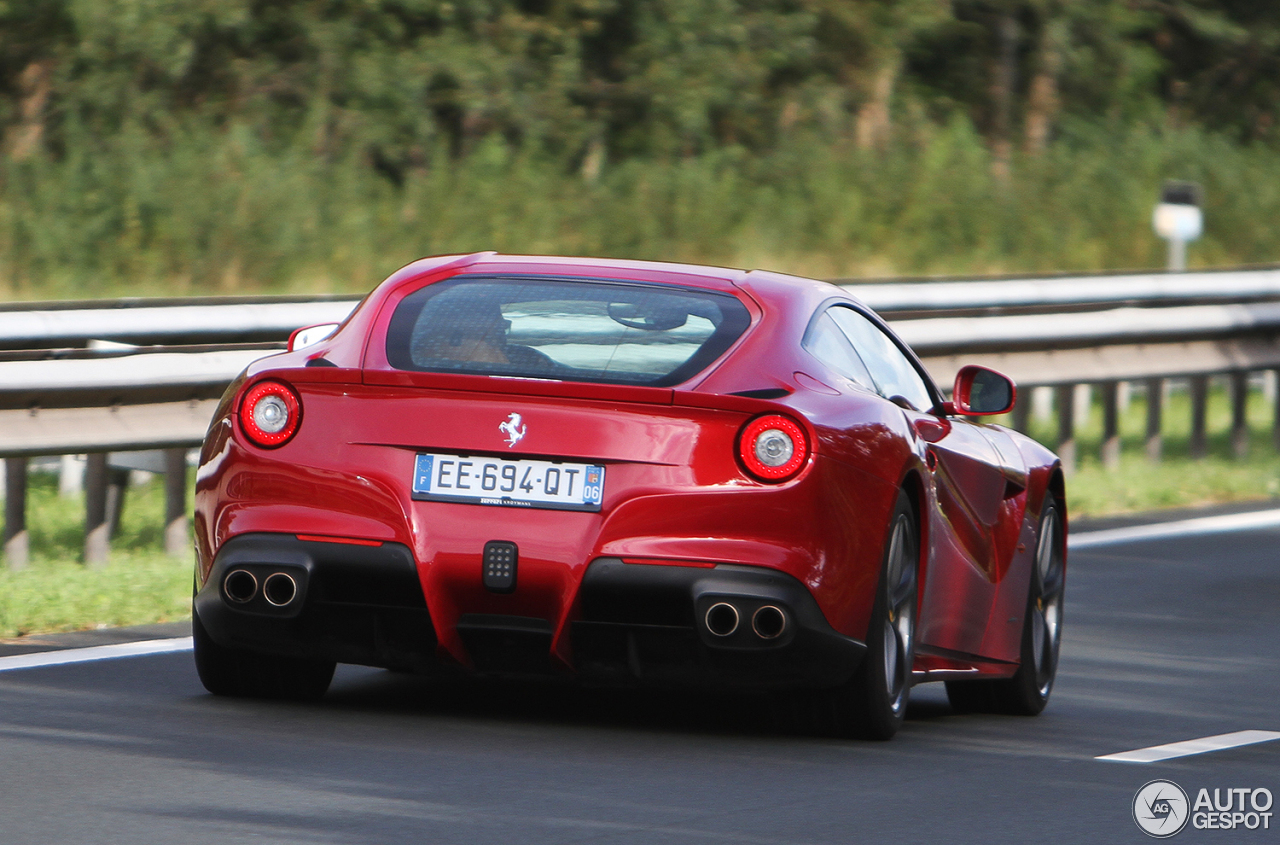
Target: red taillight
270	413
773	448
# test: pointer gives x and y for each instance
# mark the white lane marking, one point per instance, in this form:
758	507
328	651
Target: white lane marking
1181	528
97	652
1192	746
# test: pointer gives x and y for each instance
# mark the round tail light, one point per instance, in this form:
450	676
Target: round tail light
773	447
270	413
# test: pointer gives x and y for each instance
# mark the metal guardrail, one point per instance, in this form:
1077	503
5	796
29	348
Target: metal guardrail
167	322
1035	348
264	318
1102	346
1067	292
946	335
1058	332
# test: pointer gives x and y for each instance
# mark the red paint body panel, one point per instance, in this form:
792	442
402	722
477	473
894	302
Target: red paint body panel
674	489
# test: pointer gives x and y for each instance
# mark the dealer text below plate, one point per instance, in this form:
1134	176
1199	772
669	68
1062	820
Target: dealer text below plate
517	482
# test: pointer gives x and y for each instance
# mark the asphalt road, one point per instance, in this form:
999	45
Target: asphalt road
1165	640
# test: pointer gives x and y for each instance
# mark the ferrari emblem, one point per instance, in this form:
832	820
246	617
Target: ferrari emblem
513	428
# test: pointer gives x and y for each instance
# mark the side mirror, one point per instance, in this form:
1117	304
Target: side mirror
980	392
310	335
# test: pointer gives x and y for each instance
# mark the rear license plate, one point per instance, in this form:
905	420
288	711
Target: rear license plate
517	483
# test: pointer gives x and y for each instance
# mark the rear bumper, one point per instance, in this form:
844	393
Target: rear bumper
634	623
353	604
649	623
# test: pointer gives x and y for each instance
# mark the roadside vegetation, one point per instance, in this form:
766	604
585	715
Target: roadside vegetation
236	146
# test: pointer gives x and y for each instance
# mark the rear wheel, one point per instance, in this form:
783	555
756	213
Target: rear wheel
248	674
872	704
1027	692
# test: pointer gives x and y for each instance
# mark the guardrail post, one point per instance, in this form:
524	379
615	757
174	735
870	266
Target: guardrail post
96	528
117	487
1022	409
1110	424
16	541
175	502
1239	413
1199	388
1155	407
1066	402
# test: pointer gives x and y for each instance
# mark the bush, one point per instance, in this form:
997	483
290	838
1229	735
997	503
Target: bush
218	211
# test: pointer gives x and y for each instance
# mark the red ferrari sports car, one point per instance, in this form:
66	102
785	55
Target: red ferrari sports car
631	472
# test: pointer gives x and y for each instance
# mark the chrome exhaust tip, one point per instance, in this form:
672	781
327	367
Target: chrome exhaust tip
240	586
280	589
769	622
721	619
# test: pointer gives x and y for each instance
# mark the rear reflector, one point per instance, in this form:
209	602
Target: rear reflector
659	561
350	541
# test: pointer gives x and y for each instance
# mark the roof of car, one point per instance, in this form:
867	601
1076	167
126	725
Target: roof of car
763	283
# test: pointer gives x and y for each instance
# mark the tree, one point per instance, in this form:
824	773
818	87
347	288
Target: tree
861	45
34	36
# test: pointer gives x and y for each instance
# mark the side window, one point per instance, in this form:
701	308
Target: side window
829	345
893	372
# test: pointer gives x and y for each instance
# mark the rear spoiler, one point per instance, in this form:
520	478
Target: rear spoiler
524	386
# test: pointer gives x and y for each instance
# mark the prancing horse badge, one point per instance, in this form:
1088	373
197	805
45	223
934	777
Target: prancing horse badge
513	428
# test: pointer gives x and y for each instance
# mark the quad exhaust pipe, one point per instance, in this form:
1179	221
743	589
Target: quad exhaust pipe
240	586
279	589
768	622
722	619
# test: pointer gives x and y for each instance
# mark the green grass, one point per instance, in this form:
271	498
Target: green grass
141	584
56	592
134	589
1139	485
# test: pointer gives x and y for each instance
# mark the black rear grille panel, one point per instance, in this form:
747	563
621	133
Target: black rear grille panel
507	644
652	605
399	638
380	576
636	652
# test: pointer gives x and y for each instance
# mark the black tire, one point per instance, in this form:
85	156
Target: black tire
1027	692
874	701
246	674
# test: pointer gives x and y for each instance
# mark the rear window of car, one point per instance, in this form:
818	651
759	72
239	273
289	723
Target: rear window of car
571	330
